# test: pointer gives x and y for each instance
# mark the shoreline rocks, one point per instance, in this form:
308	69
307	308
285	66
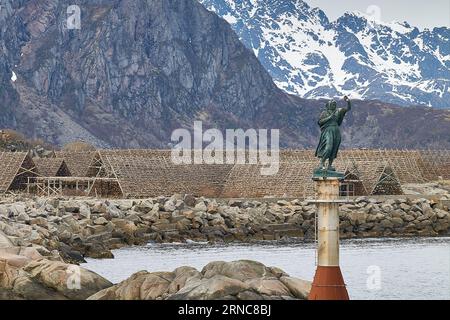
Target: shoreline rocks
26	275
237	280
76	228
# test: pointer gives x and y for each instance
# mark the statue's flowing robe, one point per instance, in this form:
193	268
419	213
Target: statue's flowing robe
330	137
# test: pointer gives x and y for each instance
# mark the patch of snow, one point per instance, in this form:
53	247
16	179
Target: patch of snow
230	19
442	59
399	71
13	77
420	44
399	27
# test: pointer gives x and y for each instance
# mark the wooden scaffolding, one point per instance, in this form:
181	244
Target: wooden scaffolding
71	186
15	170
143	173
51	167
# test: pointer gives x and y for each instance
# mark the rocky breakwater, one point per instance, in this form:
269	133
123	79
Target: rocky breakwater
75	228
368	217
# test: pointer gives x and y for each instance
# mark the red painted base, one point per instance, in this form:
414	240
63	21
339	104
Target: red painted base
328	284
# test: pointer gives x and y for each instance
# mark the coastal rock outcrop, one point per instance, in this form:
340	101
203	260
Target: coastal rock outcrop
237	280
26	275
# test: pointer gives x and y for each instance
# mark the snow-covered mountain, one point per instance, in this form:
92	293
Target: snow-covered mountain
309	55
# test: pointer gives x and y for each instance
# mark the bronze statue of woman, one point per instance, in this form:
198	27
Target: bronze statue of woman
330	138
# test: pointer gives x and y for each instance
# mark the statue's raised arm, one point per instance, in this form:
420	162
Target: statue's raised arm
343	111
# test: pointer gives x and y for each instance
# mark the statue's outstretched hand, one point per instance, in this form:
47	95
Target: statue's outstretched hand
349	104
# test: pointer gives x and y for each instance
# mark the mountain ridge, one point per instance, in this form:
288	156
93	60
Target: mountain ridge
311	56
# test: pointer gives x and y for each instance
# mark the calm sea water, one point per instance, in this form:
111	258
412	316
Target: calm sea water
372	268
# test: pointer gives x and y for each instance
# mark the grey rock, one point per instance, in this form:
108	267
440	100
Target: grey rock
114	212
23	217
169	206
269	286
100	221
397	222
361	199
212	288
189	200
386	224
408	218
85	211
4	241
241	270
441	213
44	279
405	207
235	203
65	236
201	206
125	205
71	206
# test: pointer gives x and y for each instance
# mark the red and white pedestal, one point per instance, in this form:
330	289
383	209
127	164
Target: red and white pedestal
328	283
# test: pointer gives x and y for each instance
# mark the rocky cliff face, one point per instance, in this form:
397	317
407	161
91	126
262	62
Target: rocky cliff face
133	72
136	70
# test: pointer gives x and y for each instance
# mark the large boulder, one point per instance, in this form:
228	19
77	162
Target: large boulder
140	286
216	287
44	279
148	286
127	227
12	259
271	287
24	274
189	200
299	288
4	241
237	280
241	270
